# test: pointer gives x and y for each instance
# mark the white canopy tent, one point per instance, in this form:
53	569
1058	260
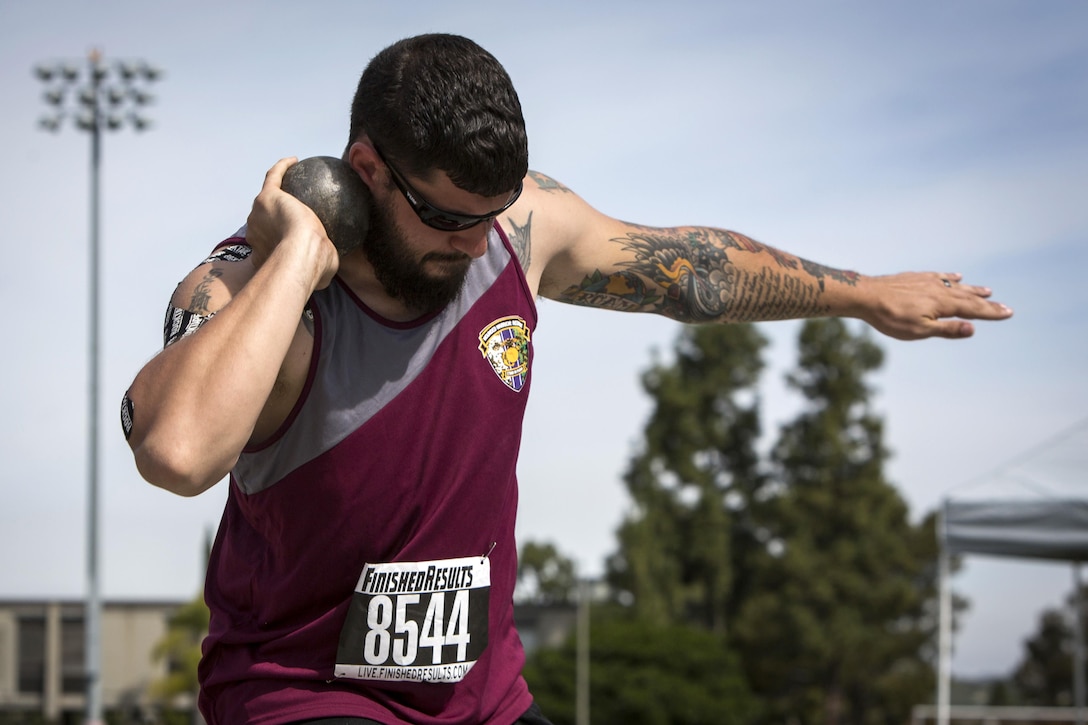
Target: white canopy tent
1050	529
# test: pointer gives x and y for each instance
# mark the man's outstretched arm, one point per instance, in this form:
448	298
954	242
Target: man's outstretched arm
701	274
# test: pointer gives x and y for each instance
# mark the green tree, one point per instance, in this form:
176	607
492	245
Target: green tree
545	576
180	650
644	674
1045	675
839	624
683	551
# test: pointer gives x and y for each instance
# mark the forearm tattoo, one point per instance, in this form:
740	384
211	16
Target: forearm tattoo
686	274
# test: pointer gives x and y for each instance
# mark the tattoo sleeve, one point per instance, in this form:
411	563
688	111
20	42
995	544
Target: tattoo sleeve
687	274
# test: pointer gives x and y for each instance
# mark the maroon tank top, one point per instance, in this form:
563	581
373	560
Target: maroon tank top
365	563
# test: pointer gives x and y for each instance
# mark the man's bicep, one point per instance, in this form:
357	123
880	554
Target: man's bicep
582	256
595	274
607	264
561	241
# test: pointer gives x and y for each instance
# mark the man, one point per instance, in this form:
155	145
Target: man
368	407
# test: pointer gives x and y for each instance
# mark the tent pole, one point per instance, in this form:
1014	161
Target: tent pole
1078	650
944	631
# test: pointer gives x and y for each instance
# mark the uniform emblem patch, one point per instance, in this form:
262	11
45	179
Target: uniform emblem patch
505	344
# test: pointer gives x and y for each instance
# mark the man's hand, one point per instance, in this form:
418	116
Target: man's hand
916	305
279	218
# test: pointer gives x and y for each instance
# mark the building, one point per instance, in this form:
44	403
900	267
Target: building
42	656
544	626
42	659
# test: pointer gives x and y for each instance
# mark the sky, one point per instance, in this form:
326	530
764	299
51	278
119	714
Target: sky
879	137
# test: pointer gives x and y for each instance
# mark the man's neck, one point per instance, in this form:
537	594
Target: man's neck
357	273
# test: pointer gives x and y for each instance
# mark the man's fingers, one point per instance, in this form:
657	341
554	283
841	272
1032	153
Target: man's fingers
995	311
978	309
971	301
976	290
952	329
933	304
274	176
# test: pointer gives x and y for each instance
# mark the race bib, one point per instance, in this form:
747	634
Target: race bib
422	621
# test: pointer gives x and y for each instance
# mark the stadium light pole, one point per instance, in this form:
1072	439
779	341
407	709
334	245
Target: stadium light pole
97	97
582	661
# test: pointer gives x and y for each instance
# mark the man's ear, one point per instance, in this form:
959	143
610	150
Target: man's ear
362	157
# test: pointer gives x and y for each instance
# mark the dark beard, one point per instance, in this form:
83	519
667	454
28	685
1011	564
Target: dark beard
405	279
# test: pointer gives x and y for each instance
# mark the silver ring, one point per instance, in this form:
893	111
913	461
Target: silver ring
946	283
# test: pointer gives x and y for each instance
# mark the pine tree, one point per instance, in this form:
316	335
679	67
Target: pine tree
837	627
682	550
545	575
643	674
1045	675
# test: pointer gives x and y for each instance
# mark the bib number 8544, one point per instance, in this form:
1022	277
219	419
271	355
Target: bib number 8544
403	624
416	621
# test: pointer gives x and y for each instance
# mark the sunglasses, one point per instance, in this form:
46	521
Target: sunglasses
434	217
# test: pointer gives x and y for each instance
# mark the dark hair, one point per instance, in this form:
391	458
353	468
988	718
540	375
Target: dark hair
442	102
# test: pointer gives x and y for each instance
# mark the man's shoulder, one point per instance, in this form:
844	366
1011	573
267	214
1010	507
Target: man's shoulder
233	249
217	277
534	224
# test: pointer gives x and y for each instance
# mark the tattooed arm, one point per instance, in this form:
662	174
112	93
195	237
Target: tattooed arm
234	377
687	274
701	274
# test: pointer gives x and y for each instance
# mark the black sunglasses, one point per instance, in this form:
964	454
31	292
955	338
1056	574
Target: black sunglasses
431	215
